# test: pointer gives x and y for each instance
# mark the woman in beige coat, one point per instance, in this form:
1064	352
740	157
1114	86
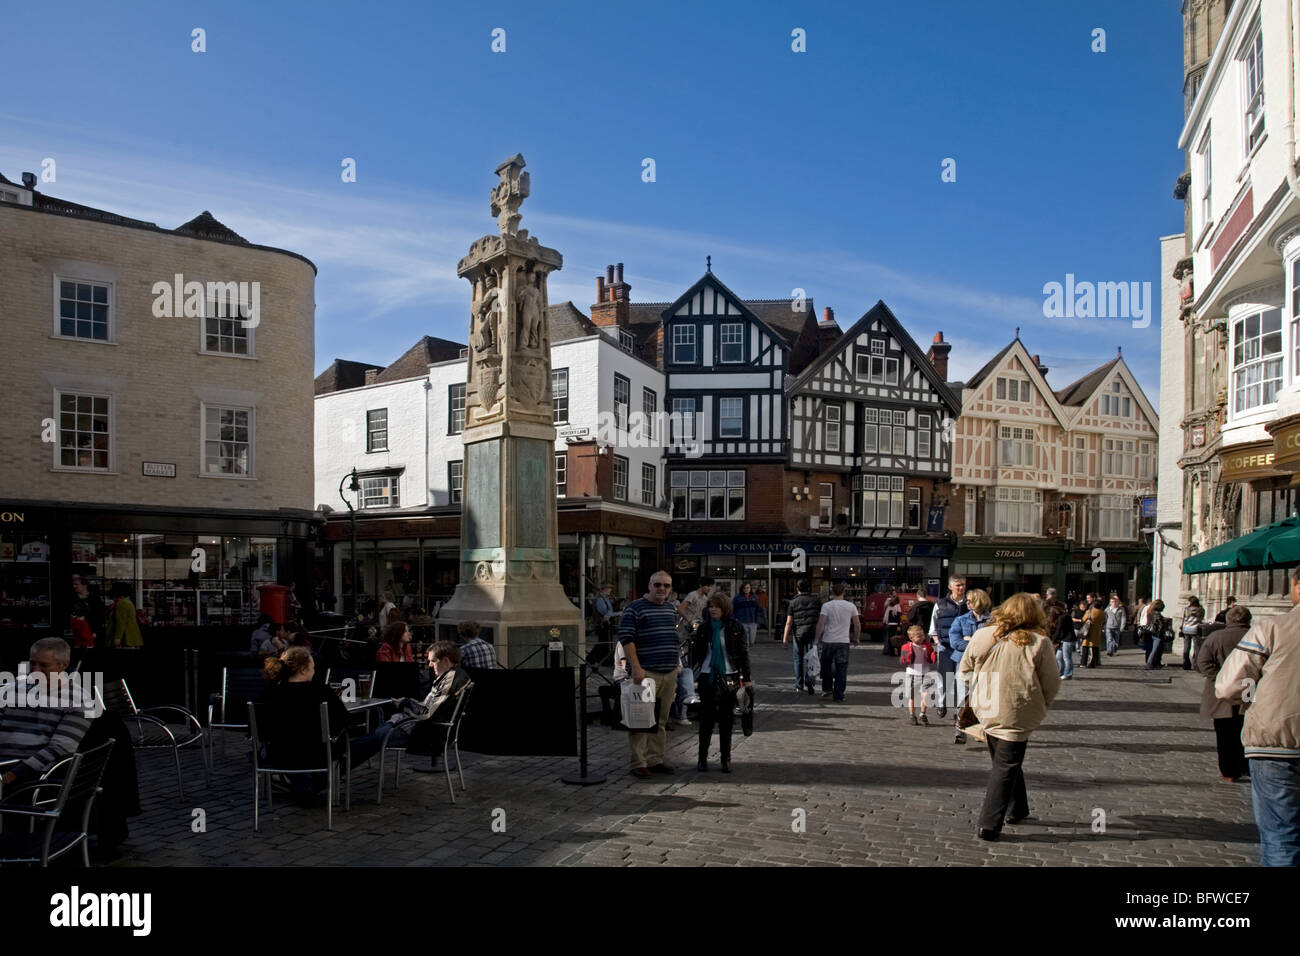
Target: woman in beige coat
1013	665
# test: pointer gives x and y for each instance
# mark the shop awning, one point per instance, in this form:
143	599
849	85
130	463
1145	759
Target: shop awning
1273	546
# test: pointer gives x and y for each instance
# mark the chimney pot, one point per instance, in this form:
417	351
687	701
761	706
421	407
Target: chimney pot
618	273
938	337
600	288
609	275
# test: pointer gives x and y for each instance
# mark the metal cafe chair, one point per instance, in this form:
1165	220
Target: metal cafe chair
80	782
227	710
450	741
156	728
332	766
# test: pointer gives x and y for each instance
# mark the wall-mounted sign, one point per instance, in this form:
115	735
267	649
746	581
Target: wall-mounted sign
159	469
13	517
1009	554
1148	506
573	431
1251	461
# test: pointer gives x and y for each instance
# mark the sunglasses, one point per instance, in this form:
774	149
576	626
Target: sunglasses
656	584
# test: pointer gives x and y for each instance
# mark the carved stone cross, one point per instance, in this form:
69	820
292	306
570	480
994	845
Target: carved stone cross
509	194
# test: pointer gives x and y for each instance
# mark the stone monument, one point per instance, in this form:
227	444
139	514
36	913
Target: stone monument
509	554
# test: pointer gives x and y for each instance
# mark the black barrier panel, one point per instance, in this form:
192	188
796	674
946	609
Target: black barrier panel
154	676
525	713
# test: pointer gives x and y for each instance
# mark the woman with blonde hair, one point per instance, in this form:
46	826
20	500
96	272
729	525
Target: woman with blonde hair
1010	667
963	629
291	719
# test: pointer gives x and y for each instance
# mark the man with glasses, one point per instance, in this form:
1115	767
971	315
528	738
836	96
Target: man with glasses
648	633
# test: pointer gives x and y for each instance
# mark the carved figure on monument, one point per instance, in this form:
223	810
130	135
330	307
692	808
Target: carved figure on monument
486	308
509	194
529	375
528	305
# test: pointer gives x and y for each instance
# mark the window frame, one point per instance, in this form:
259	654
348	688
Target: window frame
370	430
109	414
251	473
249	333
648	489
834	416
689	486
620	459
924	428
455	481
738	419
111	319
558	376
620	420
452	411
723	328
678	419
1251	58
391	500
1205	158
679	341
650	411
561	474
1238	344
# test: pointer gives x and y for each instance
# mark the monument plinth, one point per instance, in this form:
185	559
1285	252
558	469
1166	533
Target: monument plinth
509	557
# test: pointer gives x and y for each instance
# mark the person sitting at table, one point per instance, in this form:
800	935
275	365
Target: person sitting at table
290	725
46	719
277	643
395	644
474	651
414	721
265	631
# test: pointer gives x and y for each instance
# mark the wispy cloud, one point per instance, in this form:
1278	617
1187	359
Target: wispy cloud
387	254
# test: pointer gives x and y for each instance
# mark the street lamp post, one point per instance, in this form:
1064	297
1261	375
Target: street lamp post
353	486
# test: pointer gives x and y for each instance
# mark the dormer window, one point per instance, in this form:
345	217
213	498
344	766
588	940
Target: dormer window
625	341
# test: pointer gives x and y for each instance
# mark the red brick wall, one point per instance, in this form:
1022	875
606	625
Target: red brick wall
589	472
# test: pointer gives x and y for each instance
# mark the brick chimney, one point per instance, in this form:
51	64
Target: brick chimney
371	373
613	297
1042	369
938	355
828	315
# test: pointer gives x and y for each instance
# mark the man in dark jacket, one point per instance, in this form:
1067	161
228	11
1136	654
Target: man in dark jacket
1226	715
946	610
801	621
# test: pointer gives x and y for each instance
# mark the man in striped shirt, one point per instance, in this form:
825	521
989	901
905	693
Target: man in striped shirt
46	721
648	633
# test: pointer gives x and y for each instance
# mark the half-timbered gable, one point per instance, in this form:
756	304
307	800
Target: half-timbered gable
1011	427
872	403
726	371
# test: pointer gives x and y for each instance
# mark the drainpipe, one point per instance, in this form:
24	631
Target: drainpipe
1290	112
428	387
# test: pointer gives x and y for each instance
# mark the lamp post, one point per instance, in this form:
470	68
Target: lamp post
353	486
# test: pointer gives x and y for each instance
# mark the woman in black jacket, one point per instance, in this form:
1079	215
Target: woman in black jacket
718	634
291	716
1060	625
1160	627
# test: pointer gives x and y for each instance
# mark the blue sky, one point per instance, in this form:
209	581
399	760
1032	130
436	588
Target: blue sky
817	170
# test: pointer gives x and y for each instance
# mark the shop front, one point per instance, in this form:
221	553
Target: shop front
864	565
181	568
1006	569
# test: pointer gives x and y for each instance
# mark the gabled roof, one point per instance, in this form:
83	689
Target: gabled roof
990	365
1079	394
566	321
342	374
1031	368
415	361
710	279
881	313
205	226
1076	393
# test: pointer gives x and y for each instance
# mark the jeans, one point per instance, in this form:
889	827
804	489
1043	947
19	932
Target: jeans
1275	789
751	632
1065	659
1112	640
945	668
1005	795
1191	644
835	669
800	672
1157	651
363	748
888	649
685	689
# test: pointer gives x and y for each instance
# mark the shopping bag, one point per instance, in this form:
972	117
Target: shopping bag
812	663
638	713
745	710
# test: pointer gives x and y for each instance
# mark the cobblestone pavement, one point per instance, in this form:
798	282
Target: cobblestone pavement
872	790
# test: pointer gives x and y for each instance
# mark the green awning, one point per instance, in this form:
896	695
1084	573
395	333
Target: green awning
1273	546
